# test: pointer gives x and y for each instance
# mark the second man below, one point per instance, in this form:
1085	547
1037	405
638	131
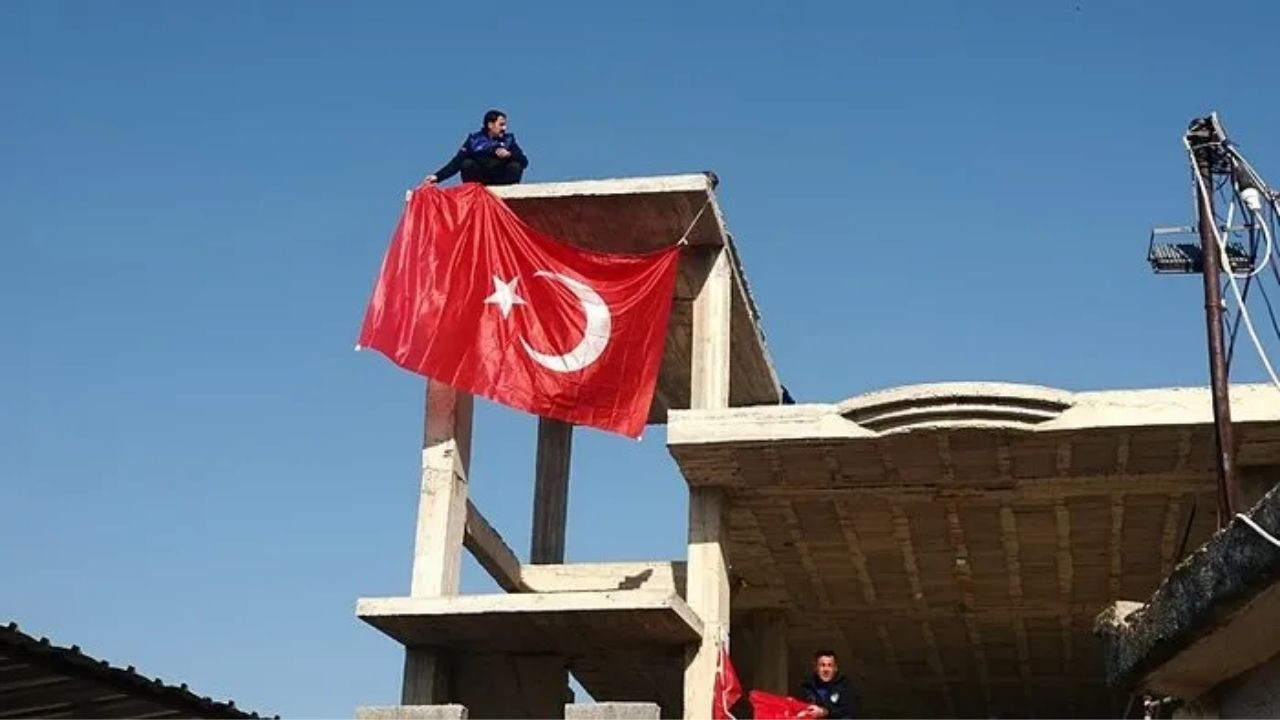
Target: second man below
828	692
490	155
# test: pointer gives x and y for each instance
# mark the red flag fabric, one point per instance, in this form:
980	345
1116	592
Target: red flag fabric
472	297
727	689
767	706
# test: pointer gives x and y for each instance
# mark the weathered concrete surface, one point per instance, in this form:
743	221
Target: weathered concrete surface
501	685
636	215
412	712
612	711
1214	618
621	644
1256	694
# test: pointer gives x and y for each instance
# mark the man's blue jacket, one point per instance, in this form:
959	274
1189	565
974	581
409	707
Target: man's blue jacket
479	146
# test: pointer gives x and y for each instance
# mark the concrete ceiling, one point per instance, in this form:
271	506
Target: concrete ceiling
954	542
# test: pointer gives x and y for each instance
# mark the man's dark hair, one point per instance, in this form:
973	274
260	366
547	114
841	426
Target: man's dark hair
493	115
825	653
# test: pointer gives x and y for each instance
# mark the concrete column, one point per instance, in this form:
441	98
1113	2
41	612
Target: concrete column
708	576
503	685
770	661
551	492
712	330
708	597
442	517
550	518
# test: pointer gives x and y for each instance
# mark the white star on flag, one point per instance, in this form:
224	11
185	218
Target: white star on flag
504	295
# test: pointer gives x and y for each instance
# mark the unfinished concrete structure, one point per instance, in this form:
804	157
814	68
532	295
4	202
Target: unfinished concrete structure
628	631
952	542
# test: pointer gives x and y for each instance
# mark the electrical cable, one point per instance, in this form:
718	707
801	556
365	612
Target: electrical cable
1258	529
1203	204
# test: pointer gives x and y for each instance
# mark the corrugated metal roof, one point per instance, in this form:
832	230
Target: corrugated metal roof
40	679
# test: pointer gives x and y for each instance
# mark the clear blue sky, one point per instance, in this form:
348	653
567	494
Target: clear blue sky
199	474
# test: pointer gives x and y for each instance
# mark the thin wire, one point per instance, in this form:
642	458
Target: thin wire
1248	283
1271	311
1222	253
1227	326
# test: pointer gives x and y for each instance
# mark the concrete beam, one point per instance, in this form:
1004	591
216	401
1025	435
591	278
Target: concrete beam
492	552
586	577
1118	409
612	711
412	712
657	184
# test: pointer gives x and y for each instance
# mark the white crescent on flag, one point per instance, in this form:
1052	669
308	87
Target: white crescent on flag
595	336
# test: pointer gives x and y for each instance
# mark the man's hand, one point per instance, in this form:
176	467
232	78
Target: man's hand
815	711
429	180
502	153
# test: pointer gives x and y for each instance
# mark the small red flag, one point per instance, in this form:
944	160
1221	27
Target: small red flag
727	690
767	706
472	297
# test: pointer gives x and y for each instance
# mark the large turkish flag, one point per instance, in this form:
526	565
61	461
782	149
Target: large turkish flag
471	296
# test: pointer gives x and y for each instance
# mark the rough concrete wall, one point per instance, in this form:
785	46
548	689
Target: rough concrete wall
1198	710
501	685
1256	694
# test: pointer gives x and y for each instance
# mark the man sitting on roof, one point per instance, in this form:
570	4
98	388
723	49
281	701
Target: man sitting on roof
490	155
827	690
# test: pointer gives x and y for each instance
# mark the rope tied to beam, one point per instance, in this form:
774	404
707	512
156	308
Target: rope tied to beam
684	239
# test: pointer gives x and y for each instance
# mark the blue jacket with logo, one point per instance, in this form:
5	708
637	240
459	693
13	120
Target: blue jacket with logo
836	697
478	145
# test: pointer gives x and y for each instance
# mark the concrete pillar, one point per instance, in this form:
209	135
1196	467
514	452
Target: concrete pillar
502	685
442	517
551	514
551	492
708	576
770	660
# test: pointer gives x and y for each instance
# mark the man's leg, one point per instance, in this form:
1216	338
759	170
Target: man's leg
472	171
508	173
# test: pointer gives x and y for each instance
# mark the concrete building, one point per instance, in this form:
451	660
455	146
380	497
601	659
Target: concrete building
953	542
956	541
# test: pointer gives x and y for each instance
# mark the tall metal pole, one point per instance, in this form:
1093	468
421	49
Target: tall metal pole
1228	485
